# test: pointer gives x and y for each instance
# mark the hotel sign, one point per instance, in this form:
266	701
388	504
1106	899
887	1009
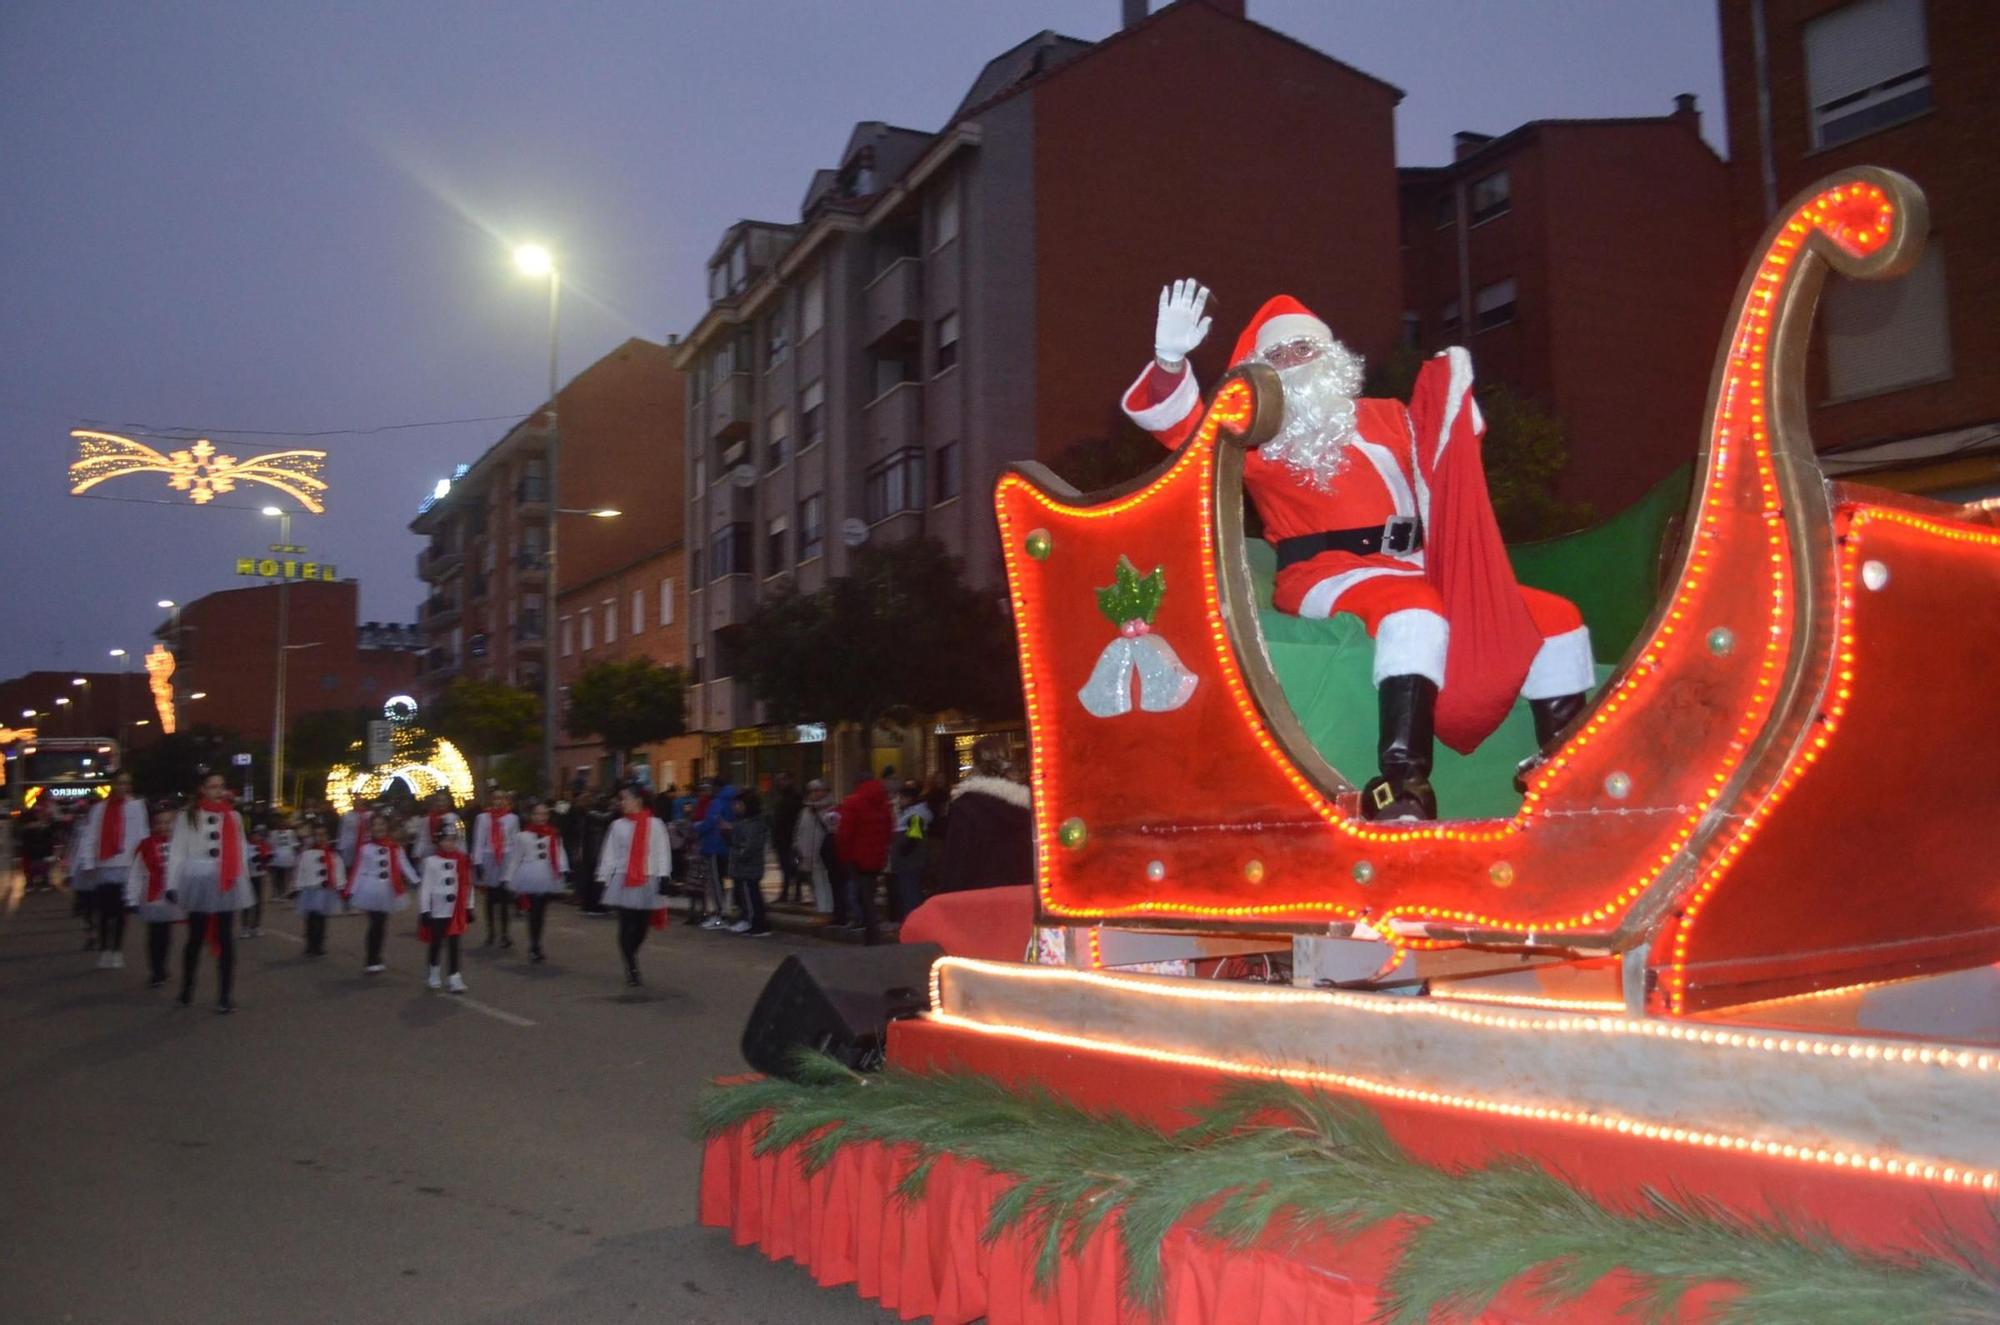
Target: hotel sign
286	568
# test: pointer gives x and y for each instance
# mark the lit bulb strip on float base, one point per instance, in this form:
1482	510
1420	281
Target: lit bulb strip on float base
1720	1043
1741	633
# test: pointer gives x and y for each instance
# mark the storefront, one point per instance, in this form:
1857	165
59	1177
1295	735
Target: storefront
754	756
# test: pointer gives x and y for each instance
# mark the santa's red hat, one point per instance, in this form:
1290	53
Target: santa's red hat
1280	319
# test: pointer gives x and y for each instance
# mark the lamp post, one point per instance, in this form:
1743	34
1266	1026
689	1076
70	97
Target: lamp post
538	261
284	518
118	700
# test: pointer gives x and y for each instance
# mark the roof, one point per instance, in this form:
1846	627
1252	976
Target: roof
1498	145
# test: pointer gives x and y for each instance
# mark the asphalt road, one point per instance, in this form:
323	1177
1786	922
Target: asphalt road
349	1148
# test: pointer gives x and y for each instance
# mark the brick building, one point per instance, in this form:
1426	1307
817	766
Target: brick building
487	564
1586	263
1903	388
114	704
950	301
637	610
225	649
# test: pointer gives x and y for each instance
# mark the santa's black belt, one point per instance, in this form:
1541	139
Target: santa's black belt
1397	535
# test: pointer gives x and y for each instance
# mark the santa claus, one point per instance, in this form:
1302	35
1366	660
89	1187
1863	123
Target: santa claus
1381	510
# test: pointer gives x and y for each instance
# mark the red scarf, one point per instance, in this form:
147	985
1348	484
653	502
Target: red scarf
555	844
156	868
111	829
456	925
327	857
635	863
395	854
432	820
496	837
232	843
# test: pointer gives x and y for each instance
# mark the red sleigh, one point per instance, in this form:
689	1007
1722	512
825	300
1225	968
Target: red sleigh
1782	788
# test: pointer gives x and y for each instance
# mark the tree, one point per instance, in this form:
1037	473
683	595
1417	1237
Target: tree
1097	463
628	703
319	740
902	634
486	718
172	765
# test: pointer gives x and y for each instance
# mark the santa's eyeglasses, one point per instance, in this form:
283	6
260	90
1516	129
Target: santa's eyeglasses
1292	353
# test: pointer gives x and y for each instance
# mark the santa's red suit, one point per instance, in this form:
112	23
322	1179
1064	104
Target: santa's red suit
1405	470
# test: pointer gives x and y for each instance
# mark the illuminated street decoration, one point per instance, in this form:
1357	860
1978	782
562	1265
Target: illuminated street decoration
200	470
423	765
160	677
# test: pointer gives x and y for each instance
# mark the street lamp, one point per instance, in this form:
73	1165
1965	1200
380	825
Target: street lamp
199	694
536	260
284	519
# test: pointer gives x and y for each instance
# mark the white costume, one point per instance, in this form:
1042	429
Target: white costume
427	843
86	869
319	885
438	894
378	867
147	893
491	864
194	861
529	869
617	851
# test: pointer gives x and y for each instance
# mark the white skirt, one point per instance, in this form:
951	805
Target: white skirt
319	902
378	895
643	898
161	912
535	882
202	891
104	878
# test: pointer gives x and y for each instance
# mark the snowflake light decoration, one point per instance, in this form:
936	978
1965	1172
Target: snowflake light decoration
200	470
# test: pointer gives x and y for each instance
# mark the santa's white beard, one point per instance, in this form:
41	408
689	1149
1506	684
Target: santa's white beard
1319	415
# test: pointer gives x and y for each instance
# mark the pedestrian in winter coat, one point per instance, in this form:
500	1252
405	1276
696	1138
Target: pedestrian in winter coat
814	845
786	803
861	842
909	848
714	842
748	836
991	842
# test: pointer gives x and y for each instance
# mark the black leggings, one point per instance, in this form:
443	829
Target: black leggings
199	923
498	901
159	942
538	912
315	933
632	923
110	916
254	917
378	925
447	943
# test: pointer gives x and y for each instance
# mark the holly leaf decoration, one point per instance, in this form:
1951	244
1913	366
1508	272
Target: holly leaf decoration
1132	596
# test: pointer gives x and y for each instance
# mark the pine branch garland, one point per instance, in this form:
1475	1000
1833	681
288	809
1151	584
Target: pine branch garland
1268	1160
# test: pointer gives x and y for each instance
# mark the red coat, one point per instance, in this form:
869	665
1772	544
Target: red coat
862	840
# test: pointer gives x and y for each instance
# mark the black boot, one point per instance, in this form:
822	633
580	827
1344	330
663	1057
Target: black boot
1403	791
1552	721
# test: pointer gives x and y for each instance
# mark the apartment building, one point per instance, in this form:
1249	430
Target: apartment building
486	563
949	301
1903	387
1586	263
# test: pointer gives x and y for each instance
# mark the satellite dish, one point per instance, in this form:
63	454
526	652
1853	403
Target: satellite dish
743	476
853	532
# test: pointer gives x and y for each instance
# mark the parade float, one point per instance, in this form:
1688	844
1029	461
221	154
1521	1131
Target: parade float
1706	1021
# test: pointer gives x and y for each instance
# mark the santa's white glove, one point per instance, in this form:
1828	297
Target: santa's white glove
1181	326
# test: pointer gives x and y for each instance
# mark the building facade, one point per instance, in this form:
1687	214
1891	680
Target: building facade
1587	264
114	704
225	649
950	302
1903	388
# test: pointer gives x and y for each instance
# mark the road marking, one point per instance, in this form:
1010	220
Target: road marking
279	934
491	1011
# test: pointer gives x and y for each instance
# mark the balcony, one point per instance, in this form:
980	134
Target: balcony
720	704
531	497
531	566
437	665
476	590
730	601
437	561
893	421
893	301
729	408
528	634
438	610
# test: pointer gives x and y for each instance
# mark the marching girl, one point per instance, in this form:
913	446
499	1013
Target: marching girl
430	828
633	860
102	864
491	834
347	839
537	867
320	877
208	875
444	900
379	884
146	893
284	858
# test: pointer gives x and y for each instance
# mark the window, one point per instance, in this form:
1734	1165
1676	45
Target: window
739	267
947	471
947	341
729	551
1881	335
588	623
700	473
947	214
894	486
638	610
812	305
718	282
667	602
700	671
568	635
1448	320
610	607
1413	329
1867	67
778	446
775	548
1445	210
695	580
812	530
1491	197
1493	306
812	414
777	340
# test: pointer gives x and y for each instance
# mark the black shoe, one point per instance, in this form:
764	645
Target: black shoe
632	980
157	982
187	998
224	1009
1403	791
1553	718
506	942
488	943
537	956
